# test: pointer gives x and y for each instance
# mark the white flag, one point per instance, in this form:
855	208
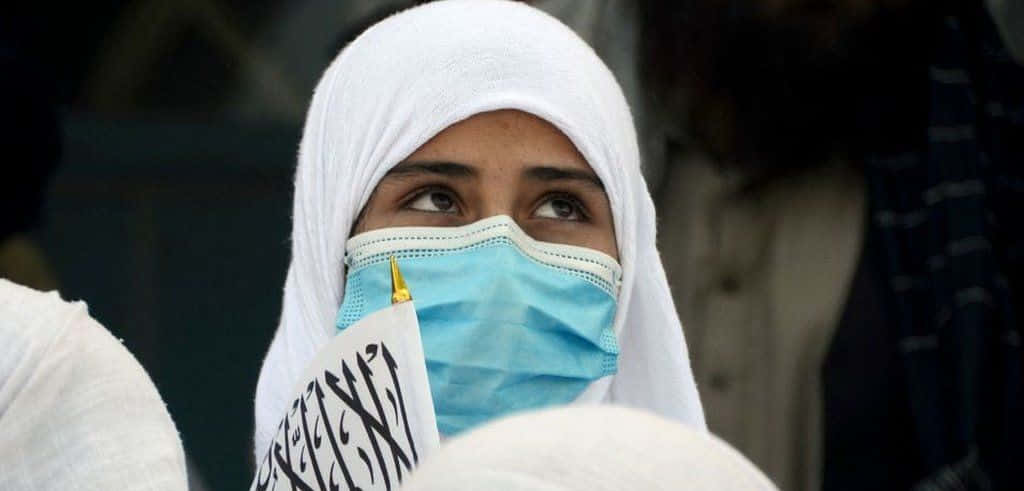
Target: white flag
362	417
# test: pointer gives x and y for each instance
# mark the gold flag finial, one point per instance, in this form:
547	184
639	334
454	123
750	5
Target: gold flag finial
399	292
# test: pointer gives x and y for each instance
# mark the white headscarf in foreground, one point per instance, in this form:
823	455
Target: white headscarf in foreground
587	448
403	81
77	412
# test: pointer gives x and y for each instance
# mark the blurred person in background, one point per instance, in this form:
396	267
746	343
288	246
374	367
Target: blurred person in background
841	192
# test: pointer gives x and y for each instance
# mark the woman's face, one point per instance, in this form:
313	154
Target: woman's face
497	163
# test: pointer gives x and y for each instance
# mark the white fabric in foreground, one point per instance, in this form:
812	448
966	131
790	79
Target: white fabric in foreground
403	81
586	448
77	411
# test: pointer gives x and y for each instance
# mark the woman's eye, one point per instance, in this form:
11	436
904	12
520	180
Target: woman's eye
434	201
559	209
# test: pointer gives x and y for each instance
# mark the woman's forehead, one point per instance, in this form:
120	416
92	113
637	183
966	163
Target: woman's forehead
508	136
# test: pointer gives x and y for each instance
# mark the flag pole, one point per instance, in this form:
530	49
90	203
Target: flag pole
399	292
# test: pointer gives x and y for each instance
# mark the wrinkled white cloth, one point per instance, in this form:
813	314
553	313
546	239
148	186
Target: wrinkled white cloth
77	411
597	448
403	81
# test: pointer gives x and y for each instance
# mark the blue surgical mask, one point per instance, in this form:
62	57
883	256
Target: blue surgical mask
508	323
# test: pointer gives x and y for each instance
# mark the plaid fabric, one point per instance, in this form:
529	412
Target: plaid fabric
947	217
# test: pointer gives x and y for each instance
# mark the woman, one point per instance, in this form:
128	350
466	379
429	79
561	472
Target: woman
498	134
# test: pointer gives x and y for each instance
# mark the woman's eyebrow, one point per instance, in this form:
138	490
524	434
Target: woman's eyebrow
550	173
449	169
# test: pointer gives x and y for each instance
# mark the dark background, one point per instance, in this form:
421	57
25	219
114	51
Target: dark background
168	211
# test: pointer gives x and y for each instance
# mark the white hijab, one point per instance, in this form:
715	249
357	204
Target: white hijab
588	449
403	81
77	411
